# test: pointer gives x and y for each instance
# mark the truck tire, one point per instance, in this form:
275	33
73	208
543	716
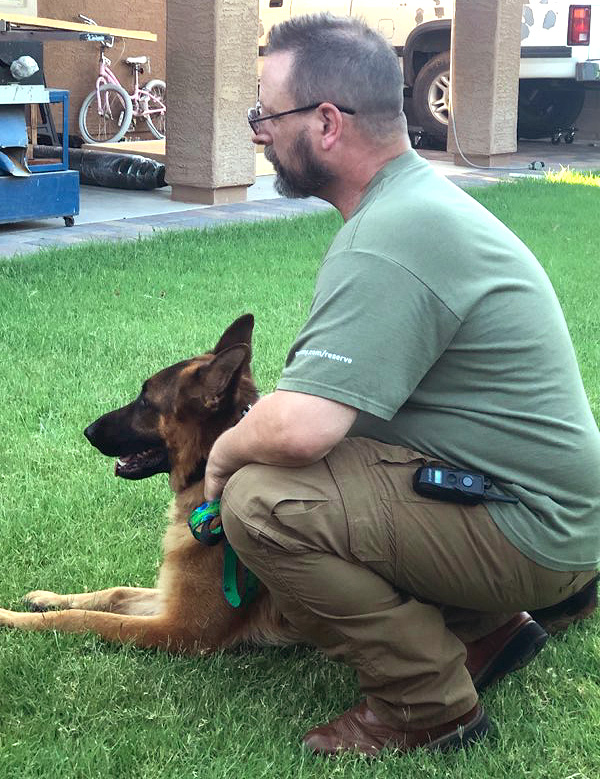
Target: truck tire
431	96
546	105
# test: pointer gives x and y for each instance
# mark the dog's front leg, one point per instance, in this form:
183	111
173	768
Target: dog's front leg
149	632
120	600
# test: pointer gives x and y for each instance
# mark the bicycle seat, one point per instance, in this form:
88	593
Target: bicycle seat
136	60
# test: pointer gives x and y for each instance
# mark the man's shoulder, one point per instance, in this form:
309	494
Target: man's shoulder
412	214
398	218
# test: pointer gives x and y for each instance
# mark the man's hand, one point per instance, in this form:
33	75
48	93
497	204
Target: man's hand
285	428
217	472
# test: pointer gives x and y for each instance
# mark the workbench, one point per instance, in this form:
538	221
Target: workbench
16	27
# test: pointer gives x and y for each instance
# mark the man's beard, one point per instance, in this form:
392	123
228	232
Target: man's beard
311	177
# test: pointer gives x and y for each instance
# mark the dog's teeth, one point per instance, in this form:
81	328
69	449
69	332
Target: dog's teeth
120	462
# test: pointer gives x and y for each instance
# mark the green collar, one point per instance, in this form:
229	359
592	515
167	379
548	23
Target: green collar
199	523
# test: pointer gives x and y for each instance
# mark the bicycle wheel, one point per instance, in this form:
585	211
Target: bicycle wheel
157	122
112	121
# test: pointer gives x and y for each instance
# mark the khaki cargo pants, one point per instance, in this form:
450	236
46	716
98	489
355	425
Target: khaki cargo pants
387	581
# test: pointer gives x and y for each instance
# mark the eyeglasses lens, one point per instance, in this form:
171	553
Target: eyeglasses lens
253	115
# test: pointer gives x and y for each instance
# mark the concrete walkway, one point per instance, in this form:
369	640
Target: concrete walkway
116	214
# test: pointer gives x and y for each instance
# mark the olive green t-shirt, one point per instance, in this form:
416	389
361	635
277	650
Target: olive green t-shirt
434	321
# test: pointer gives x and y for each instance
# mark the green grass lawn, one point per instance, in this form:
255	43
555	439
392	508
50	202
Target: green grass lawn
80	329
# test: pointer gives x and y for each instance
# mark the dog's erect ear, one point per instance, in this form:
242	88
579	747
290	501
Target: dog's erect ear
240	332
206	386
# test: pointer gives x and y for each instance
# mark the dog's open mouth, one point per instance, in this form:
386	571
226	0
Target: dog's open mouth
142	464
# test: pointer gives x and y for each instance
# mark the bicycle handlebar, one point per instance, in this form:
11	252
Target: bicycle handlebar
109	40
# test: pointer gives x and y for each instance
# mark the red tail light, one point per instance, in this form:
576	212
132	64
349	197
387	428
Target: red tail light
579	25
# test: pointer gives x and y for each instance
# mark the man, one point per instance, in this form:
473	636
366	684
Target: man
434	335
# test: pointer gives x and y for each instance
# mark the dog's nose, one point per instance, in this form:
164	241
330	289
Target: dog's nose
89	432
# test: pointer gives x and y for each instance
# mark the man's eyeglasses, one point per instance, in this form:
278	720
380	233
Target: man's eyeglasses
254	115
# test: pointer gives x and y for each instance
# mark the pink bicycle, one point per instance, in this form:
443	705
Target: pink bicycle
110	111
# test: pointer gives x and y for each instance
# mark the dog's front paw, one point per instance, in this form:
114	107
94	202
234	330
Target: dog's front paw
8	618
42	600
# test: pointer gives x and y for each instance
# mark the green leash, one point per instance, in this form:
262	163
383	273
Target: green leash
199	523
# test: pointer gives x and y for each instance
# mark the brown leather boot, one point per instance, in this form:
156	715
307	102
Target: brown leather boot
506	649
360	730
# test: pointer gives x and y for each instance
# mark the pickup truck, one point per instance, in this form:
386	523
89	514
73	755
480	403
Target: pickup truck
560	55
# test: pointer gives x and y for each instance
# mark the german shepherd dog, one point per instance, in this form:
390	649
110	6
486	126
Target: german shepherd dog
170	427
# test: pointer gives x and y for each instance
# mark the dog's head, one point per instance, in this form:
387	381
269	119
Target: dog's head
172	424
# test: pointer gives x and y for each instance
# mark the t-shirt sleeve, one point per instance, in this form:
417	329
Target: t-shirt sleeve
373	332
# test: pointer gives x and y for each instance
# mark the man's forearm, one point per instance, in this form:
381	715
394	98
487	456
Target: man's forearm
281	429
257	438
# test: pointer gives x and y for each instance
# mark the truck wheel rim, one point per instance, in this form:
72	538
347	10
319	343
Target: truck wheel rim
438	98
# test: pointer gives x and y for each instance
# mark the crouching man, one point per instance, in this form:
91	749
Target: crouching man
434	336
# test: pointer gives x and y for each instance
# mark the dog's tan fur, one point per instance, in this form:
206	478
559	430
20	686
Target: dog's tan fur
186	407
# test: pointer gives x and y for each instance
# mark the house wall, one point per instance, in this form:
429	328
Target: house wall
74	65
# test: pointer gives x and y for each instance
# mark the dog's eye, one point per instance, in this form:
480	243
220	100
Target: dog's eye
142	401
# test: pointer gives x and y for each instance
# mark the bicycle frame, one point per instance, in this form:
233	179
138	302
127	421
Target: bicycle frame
106	76
140	98
140	105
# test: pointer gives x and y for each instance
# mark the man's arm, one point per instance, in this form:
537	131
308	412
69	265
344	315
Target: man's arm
284	428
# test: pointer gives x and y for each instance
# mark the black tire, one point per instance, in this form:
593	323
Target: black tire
546	105
107	127
431	96
157	123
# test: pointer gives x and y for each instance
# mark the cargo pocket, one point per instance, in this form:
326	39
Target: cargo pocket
301	526
283	505
371	534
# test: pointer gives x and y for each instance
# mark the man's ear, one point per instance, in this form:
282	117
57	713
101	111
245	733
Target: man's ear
208	386
331	125
239	332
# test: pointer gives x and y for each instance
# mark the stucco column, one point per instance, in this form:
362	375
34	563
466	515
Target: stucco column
211	76
484	75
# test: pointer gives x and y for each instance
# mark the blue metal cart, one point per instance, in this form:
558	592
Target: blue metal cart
45	189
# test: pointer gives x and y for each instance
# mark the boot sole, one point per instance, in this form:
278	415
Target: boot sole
463	736
518	652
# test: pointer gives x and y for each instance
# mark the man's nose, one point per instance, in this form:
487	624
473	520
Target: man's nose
261	138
